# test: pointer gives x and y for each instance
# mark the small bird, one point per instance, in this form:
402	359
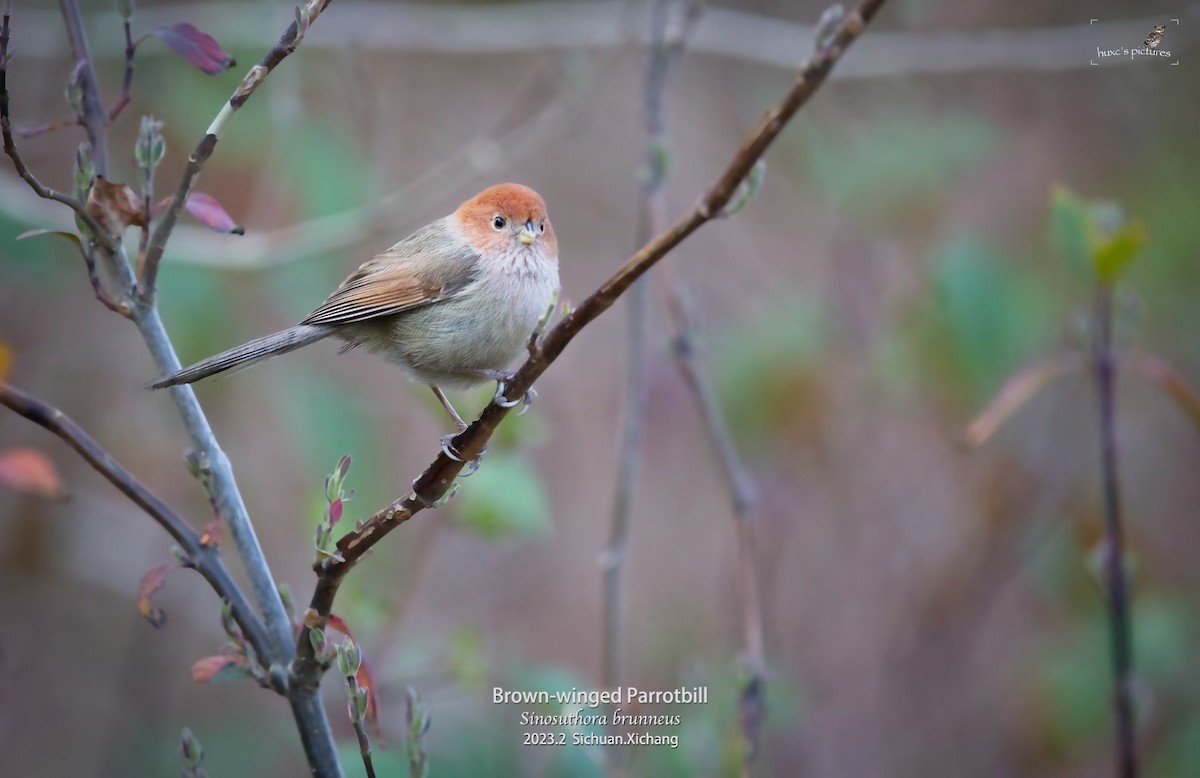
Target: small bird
453	304
1156	35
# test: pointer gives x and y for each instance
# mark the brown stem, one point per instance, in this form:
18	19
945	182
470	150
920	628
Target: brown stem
286	44
126	79
1117	592
204	558
743	499
436	481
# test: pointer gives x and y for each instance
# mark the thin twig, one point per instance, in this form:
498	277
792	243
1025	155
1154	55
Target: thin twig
89	261
204	558
126	79
360	730
95	118
10	146
439	476
286	44
1117	594
744	501
652	218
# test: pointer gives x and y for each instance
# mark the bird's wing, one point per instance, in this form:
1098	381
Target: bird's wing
401	278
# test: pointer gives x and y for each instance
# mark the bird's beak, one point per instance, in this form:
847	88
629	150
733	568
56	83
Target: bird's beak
528	234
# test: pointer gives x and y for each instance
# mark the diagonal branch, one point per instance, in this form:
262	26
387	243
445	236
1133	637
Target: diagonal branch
204	558
438	478
286	44
744	500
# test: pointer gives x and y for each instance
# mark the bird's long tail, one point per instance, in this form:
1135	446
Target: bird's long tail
248	354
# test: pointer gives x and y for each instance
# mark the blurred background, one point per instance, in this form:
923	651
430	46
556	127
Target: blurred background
929	609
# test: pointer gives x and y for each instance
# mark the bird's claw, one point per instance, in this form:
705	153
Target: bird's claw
456	455
504	402
448	447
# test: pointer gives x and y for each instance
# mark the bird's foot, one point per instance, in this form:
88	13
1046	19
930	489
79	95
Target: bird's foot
449	450
504	402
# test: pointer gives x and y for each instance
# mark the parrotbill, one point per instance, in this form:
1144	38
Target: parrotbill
453	304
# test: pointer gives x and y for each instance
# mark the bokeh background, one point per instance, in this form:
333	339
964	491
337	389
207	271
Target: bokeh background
929	609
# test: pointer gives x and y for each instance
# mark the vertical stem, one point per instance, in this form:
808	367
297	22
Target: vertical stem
1117	598
95	117
629	461
650	218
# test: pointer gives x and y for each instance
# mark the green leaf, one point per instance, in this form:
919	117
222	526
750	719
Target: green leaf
1070	228
1112	256
505	498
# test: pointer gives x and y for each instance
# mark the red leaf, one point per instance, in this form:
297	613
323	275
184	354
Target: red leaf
32	472
209	212
197	47
219	669
365	678
335	512
151	582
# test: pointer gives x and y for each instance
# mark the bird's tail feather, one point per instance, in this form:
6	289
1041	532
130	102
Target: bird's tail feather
247	354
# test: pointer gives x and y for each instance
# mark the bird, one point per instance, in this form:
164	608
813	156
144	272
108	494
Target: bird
1156	35
452	304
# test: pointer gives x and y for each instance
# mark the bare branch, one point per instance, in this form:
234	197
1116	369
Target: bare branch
127	79
1019	389
10	148
203	557
286	44
743	499
1170	381
454	29
1116	587
95	118
439	477
663	48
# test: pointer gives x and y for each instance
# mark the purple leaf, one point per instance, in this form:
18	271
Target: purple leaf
335	512
197	47
209	212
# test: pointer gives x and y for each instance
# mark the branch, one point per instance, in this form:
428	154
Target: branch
10	147
127	79
310	718
1116	588
529	26
663	49
744	500
286	44
438	478
205	559
95	118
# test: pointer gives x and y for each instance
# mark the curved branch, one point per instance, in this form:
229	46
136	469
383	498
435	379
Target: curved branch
439	477
204	558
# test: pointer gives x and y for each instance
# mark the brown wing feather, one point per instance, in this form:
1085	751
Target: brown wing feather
400	279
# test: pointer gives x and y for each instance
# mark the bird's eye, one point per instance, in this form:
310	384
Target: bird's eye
498	222
542	227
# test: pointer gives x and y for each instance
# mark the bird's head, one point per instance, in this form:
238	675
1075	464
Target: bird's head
507	218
